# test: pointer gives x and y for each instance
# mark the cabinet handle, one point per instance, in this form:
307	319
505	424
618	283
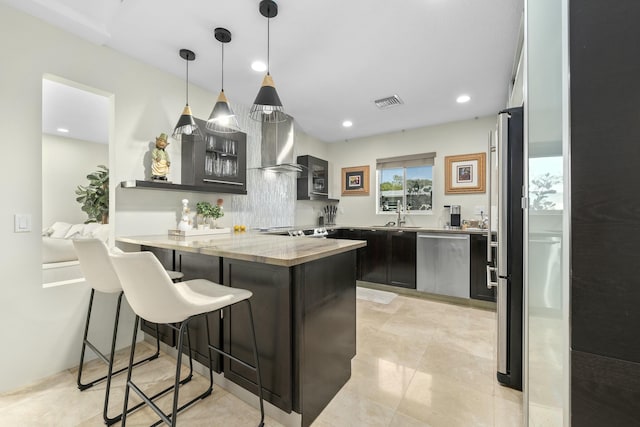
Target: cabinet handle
217	181
434	236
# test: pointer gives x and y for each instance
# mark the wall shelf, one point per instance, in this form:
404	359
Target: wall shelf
155	185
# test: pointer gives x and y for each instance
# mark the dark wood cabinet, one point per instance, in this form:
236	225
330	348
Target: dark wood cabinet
167	335
402	263
271	306
325	320
389	258
351	234
374	258
604	269
305	324
198	266
313	182
194	266
217	160
478	269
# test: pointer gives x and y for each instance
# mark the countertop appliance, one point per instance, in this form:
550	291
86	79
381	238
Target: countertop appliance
454	216
443	264
505	241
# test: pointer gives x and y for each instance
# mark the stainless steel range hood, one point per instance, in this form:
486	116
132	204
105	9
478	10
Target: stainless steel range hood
278	147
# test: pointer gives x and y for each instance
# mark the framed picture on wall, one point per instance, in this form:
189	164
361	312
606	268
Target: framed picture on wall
355	181
465	173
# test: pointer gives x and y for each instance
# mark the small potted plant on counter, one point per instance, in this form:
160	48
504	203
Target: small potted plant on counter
208	214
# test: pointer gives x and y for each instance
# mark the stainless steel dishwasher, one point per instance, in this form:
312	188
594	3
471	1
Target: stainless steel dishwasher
443	264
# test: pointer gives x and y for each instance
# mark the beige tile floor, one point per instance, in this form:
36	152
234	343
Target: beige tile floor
419	363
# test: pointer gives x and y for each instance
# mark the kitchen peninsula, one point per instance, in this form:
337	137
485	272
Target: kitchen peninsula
304	296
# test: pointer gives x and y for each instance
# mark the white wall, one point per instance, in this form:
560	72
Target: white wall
66	162
464	137
42	327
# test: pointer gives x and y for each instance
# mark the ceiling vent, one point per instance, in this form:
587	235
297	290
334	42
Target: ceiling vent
388	102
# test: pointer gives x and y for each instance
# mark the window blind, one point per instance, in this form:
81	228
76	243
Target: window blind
412	160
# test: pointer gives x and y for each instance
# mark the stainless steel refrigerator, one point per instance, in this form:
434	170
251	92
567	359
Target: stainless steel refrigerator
505	241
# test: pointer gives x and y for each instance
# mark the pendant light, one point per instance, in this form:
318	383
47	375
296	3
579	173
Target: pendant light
186	124
267	106
222	118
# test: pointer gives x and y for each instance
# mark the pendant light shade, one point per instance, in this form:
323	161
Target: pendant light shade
186	123
267	107
222	118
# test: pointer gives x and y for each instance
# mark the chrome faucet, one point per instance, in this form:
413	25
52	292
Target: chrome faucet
400	221
484	221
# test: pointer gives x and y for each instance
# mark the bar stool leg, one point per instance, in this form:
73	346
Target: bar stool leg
82	386
257	361
108	420
110	360
131	355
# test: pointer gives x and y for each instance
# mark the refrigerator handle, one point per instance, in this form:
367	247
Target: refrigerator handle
490	150
490	282
501	313
503	208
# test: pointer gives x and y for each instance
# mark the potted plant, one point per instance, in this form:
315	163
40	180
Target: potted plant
209	213
94	197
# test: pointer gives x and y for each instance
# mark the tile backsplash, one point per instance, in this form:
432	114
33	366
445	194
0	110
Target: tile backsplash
271	196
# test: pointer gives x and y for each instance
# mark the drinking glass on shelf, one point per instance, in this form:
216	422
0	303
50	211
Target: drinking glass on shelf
217	165
226	168
208	164
210	143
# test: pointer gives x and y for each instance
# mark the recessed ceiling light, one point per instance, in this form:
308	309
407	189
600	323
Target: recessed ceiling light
463	98
347	123
258	66
63	130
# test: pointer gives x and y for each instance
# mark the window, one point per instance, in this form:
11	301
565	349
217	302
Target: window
405	180
545	183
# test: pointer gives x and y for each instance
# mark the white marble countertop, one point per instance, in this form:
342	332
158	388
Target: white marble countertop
252	246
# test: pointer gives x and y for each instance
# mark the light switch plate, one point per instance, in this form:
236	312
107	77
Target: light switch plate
22	223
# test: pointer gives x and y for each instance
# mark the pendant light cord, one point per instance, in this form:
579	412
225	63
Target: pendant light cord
222	84
268	43
187	82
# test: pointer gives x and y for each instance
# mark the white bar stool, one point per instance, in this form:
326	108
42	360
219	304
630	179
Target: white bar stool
155	298
97	269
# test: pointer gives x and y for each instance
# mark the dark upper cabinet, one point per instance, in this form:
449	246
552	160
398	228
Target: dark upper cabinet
402	266
217	160
313	182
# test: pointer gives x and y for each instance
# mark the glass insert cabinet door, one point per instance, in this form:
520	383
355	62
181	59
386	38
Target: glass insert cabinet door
313	181
319	178
221	157
213	159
